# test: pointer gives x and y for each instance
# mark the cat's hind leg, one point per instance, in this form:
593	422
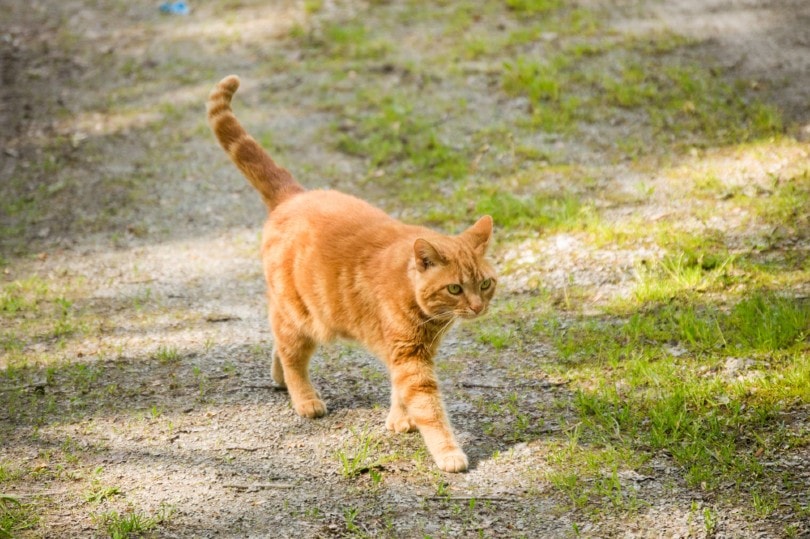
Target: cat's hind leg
278	371
291	356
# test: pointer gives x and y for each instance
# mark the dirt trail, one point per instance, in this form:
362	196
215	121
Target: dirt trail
173	402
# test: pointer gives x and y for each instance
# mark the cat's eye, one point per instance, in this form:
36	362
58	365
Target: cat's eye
486	283
454	289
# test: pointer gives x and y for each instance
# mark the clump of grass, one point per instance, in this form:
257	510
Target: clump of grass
588	473
98	493
15	516
132	523
344	41
555	107
510	418
395	138
167	354
766	321
531	211
357	457
533	7
22	295
678	275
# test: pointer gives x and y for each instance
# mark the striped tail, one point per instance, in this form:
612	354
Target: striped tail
273	182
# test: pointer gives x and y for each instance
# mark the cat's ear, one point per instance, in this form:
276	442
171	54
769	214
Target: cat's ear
479	234
426	255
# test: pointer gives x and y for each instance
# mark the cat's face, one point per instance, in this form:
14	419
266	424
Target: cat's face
453	278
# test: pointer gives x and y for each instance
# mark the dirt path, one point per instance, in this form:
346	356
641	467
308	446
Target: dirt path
157	387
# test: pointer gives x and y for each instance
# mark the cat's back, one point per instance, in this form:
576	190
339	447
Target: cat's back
333	224
327	205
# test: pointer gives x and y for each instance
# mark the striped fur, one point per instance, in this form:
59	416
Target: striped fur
274	183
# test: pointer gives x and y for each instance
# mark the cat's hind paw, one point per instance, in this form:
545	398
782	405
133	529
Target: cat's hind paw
452	462
311	408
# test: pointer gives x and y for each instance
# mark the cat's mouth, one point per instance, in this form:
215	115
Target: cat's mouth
469	314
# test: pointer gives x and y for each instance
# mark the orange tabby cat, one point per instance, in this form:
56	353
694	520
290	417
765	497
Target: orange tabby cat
337	267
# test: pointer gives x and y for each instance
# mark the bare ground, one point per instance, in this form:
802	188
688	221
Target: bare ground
160	255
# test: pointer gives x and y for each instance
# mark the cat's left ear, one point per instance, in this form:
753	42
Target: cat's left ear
479	234
426	255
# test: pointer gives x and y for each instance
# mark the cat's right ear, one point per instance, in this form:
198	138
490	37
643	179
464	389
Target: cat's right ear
426	255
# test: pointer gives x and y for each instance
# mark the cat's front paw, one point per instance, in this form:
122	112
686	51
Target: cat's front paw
453	462
311	408
398	422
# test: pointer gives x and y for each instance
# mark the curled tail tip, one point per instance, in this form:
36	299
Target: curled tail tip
229	84
224	89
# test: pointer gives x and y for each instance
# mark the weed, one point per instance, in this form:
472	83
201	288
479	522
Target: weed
98	493
533	211
132	522
533	7
764	503
15	516
498	338
202	381
155	412
357	458
709	521
681	102
167	354
352	526
400	142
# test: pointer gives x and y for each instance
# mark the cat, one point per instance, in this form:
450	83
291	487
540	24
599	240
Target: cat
337	267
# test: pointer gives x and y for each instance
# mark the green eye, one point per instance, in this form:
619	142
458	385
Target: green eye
486	283
454	289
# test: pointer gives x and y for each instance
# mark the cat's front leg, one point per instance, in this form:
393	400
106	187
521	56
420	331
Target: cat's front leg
398	419
418	390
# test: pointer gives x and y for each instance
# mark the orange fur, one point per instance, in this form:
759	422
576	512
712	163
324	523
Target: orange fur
337	267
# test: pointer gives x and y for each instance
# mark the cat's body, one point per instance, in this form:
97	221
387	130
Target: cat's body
335	266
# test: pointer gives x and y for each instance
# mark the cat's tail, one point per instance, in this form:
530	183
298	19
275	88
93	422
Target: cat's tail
273	182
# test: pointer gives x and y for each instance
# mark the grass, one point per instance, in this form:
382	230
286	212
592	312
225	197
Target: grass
695	405
15	516
98	493
358	456
681	104
400	144
132	522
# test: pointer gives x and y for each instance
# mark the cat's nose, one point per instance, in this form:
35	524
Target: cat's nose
476	307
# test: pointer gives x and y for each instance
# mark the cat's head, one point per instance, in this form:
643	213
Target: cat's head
452	278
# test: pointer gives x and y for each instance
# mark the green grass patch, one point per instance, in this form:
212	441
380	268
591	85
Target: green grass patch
131	522
15	516
683	104
704	383
533	7
35	310
342	41
358	455
588	473
532	211
392	134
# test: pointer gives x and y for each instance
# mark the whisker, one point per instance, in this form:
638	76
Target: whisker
443	330
439	316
